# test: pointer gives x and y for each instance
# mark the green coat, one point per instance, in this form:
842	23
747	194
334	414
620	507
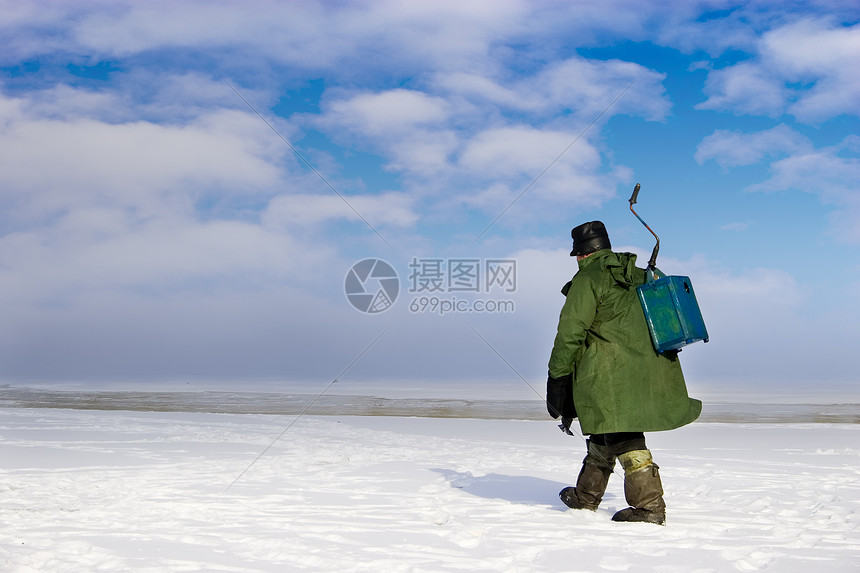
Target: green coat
620	383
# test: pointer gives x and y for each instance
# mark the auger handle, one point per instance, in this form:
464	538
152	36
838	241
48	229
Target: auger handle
635	195
652	263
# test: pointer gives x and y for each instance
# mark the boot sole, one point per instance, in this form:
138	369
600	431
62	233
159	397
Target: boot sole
630	515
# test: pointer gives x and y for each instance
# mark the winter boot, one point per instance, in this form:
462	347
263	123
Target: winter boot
591	483
642	488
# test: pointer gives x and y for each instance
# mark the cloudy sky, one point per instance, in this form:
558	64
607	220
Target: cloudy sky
184	186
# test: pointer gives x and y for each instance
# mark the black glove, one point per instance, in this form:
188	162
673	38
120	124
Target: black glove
565	425
559	397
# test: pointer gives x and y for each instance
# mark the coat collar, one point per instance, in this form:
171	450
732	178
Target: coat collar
597	255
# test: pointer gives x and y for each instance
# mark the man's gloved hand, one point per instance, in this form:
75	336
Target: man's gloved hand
565	425
559	397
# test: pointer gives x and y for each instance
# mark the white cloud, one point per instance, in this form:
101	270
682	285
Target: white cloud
680	24
475	87
418	130
813	51
588	87
423	153
386	113
99	251
737	226
774	287
746	88
136	209
584	88
795	164
52	165
64	102
511	150
830	173
307	35
409	128
433	138
826	172
298	209
786	61
734	148
455	127
140	95
517	156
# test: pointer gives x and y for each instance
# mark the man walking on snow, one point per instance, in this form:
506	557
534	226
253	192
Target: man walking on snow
604	370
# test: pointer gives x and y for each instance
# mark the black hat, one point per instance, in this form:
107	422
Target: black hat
589	237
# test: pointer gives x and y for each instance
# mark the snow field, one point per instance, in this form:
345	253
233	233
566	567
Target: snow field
146	492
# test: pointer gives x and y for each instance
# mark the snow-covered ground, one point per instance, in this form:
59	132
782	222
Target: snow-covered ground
151	492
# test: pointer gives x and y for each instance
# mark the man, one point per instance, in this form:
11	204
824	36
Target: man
604	370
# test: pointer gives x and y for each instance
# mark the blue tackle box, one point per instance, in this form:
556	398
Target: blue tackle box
672	312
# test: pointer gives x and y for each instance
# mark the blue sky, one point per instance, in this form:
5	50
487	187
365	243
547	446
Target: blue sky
157	226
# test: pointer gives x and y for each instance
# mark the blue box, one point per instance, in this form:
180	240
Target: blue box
672	312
